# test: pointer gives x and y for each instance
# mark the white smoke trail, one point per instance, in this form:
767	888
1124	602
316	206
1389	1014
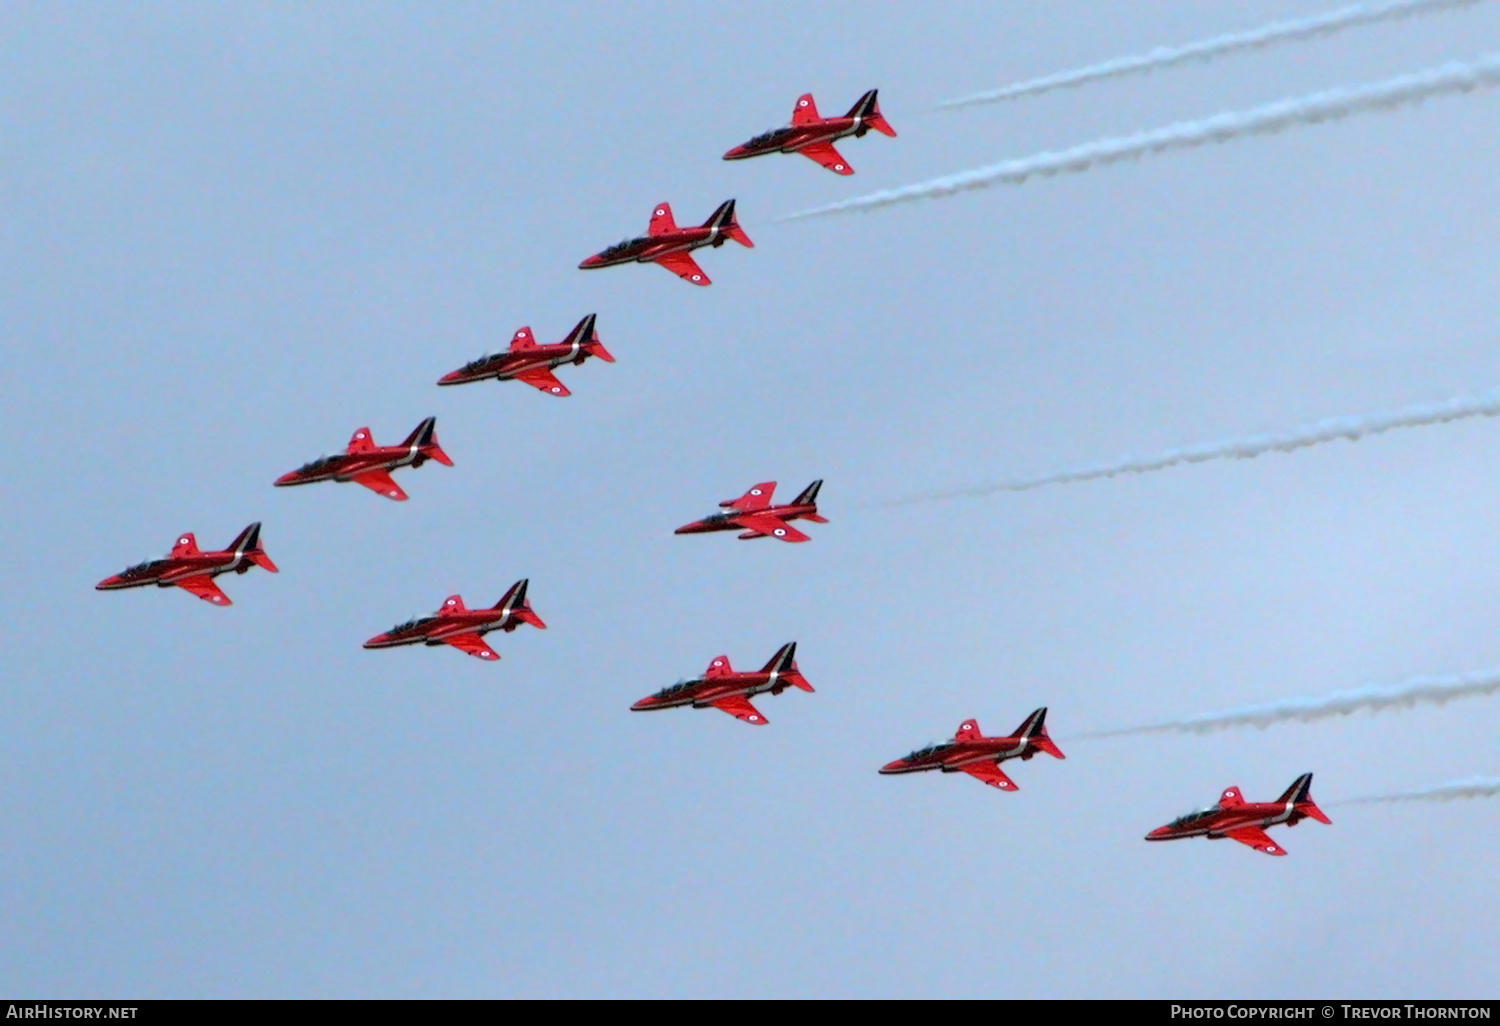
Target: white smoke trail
1328	105
1417	691
1287	31
1244	447
1473	787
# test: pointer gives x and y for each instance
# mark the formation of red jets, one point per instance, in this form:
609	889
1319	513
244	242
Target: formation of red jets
753	514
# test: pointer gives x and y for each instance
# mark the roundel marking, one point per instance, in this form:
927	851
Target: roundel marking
181	541
755	491
838	167
802	103
1228	793
659	211
718	662
780	532
697	277
556	389
752	717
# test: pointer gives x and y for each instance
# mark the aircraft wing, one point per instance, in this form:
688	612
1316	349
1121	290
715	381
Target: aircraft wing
740	708
685	267
1256	838
472	644
543	379
991	774
825	154
771	526
204	587
380	481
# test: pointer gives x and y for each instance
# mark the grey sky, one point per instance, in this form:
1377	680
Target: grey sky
231	235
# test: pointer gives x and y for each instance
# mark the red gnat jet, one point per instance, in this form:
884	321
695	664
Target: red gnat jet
526	361
1244	821
979	756
753	514
193	570
666	244
369	464
463	628
724	688
814	136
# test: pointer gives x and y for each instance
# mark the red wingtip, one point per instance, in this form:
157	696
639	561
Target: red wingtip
597	349
260	559
436	452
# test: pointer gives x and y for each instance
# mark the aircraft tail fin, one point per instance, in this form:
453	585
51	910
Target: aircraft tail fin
809	496
248	542
867	108
784	665
724	218
425	439
1035	731
1300	793
585	334
515	600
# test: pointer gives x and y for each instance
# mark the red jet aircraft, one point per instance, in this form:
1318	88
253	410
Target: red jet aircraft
1244	821
724	688
753	514
463	628
814	136
526	361
979	756
193	570
666	244
369	464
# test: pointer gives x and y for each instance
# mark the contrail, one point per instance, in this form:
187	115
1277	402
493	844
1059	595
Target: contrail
1473	787
1244	447
1287	31
1418	690
1328	105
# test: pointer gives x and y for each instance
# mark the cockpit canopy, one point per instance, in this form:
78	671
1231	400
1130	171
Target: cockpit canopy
619	248
769	136
144	569
474	365
680	686
932	749
416	621
1195	815
318	464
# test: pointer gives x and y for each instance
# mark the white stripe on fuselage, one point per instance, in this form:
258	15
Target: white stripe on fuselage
542	362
